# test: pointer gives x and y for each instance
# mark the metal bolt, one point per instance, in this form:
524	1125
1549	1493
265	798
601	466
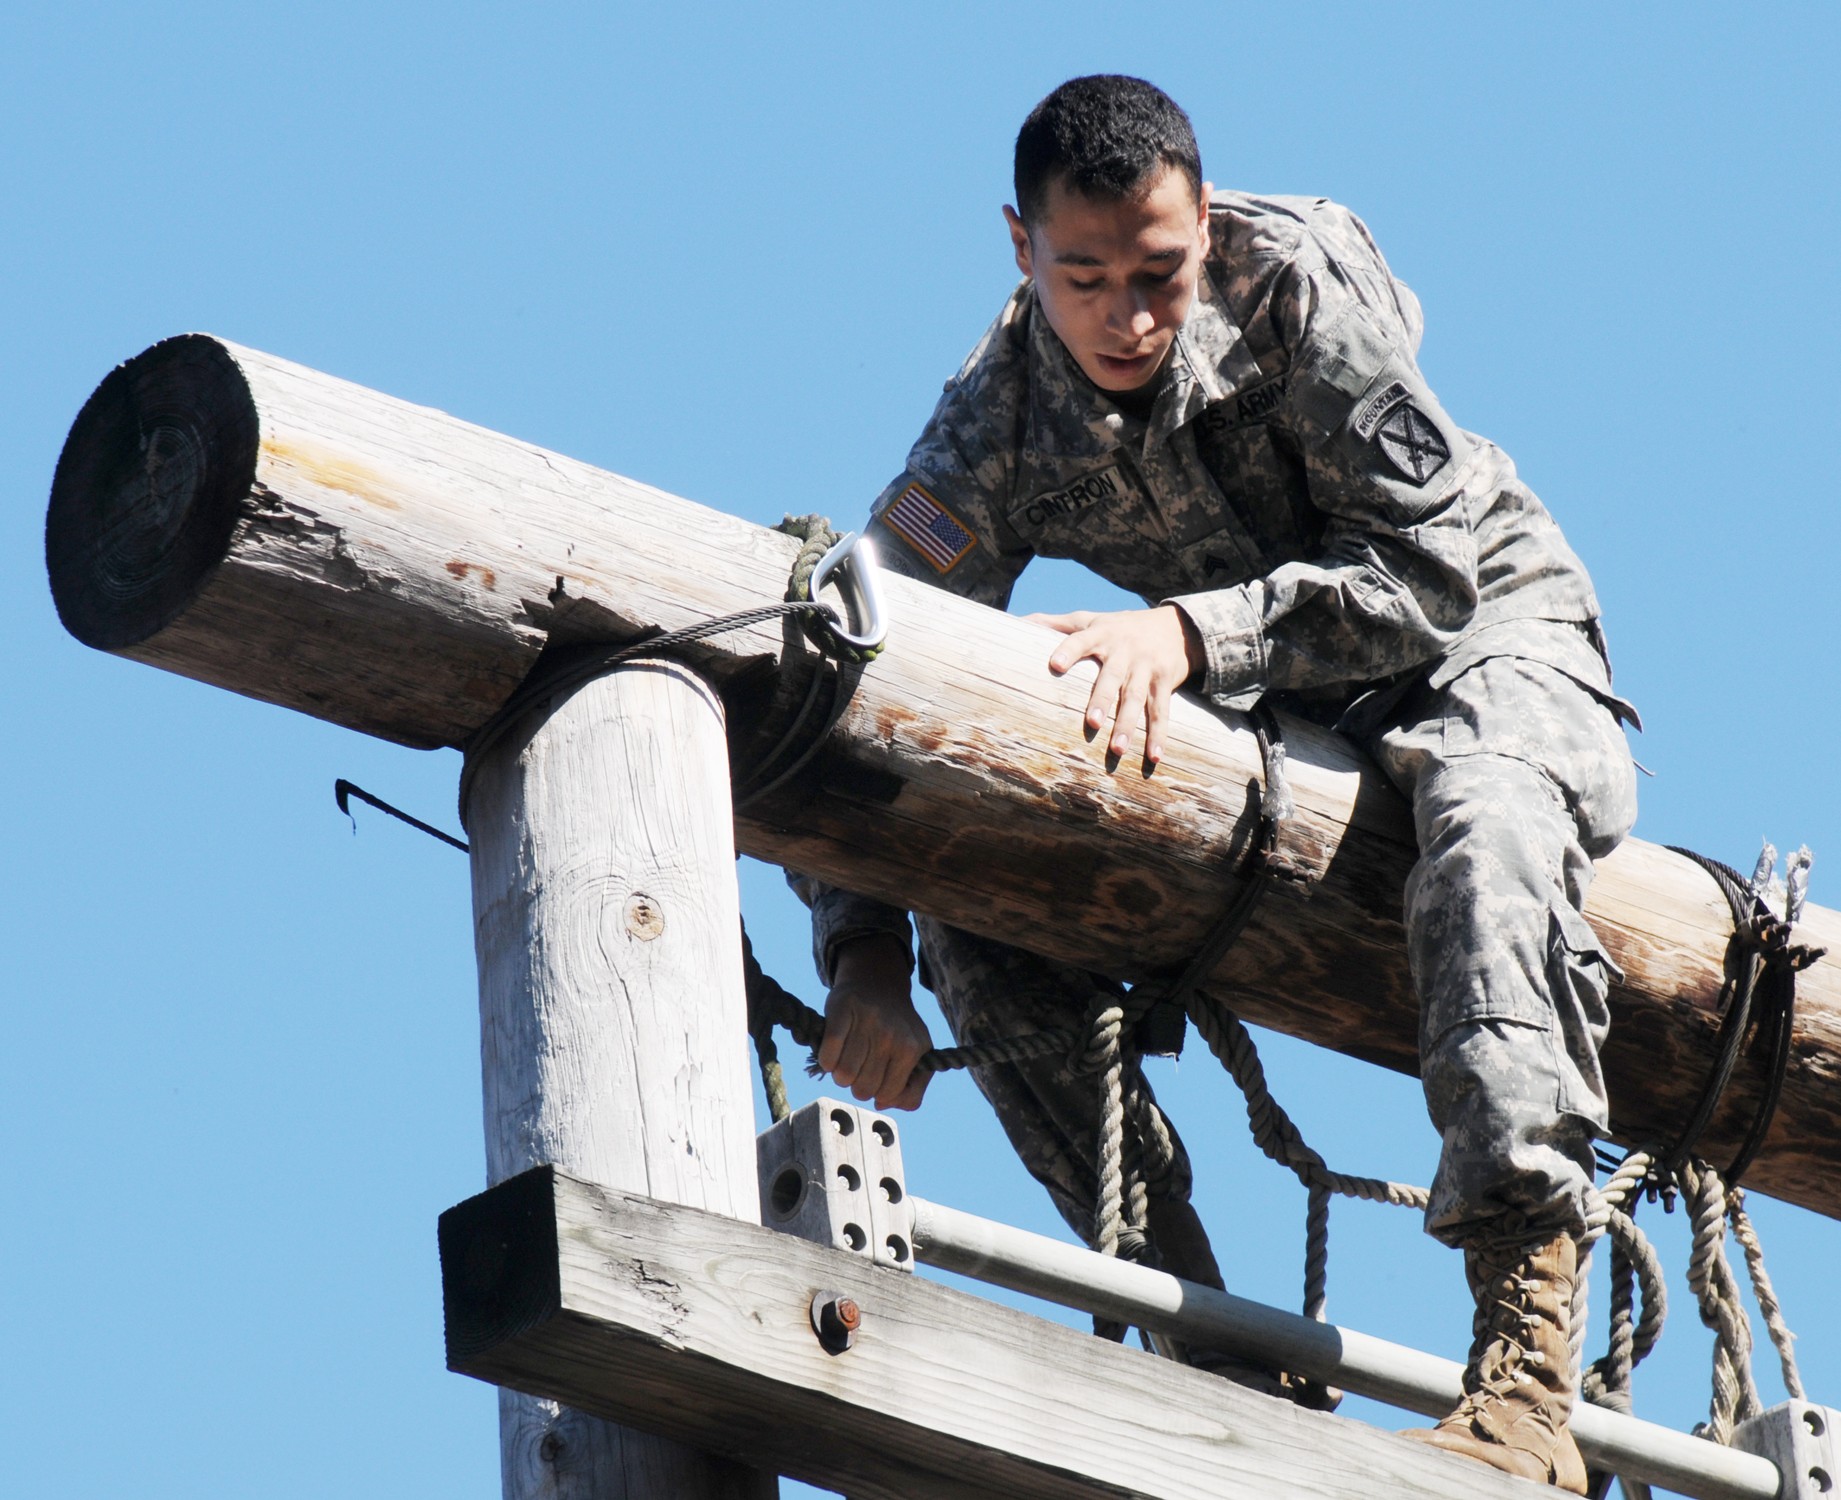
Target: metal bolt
835	1319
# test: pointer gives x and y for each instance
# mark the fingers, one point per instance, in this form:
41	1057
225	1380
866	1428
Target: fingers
890	1078
911	1093
867	1082
1143	657
1082	642
1066	624
1131	712
1102	702
860	1058
839	1021
1118	699
905	1081
850	1040
1156	721
872	1049
884	1076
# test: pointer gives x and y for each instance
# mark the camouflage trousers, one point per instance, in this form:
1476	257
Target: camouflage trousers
1519	777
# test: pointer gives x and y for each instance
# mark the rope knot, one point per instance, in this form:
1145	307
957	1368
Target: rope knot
1098	1044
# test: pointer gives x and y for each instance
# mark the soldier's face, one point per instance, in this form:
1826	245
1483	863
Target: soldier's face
1116	278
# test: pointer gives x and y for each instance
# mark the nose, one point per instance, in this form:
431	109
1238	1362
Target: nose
1130	314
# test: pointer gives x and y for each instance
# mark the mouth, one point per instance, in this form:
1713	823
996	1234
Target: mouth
1125	366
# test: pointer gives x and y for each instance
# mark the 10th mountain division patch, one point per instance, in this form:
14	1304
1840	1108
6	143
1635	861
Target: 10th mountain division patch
1413	445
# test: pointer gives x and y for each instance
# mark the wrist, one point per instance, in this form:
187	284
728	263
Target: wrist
871	956
1194	652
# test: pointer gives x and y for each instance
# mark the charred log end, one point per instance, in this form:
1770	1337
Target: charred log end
499	1270
148	490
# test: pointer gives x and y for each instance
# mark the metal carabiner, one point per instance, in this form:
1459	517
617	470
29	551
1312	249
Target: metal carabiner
853	560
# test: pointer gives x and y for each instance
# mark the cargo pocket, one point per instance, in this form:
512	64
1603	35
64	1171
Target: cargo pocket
1579	977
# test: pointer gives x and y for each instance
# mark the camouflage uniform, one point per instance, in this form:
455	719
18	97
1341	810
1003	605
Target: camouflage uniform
1349	553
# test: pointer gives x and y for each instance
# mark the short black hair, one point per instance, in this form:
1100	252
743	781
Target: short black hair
1108	135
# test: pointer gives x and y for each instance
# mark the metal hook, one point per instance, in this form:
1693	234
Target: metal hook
853	559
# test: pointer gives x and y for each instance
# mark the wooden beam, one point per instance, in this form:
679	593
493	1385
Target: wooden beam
239	519
613	1027
698	1326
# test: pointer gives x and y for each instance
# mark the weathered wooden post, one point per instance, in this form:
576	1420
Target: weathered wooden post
612	1018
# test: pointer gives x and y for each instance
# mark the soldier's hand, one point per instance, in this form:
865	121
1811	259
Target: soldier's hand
1144	656
873	1034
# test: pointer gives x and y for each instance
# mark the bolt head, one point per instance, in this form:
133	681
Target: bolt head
835	1319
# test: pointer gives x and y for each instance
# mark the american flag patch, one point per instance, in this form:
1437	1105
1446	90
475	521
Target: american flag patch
928	527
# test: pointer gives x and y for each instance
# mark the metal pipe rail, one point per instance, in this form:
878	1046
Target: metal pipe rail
1154	1300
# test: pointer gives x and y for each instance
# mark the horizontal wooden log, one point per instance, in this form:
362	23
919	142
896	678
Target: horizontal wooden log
239	519
699	1327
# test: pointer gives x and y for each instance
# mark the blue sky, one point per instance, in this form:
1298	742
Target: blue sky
733	252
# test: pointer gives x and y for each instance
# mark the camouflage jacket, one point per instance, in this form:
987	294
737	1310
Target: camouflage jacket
1297	490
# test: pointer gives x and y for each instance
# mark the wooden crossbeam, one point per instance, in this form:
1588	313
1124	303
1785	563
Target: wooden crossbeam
239	519
678	1321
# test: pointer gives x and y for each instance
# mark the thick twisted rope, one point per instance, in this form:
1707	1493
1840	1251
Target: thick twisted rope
1104	1057
816	539
1781	1338
1711	1206
1133	1164
1634	1265
1157	1147
1735	1394
1279	1138
1121	1205
1273	1130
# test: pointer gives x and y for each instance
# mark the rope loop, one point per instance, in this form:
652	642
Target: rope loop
1762	965
816	538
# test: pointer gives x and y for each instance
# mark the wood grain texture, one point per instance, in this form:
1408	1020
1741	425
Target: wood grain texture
612	1017
664	1316
390	568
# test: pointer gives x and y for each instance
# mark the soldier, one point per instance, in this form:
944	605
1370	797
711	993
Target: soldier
1212	400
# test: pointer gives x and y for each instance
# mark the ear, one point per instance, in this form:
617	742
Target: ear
1019	239
1201	217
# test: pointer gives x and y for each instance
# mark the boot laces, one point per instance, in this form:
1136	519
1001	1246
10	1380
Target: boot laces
1505	1354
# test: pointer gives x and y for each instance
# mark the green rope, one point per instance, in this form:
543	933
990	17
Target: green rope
817	538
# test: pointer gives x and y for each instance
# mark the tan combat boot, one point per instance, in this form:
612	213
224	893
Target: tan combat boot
1519	1384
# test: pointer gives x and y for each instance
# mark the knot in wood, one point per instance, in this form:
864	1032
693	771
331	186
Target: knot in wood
645	918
